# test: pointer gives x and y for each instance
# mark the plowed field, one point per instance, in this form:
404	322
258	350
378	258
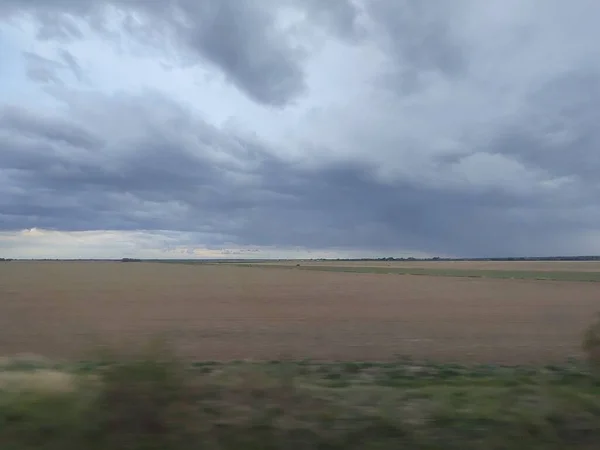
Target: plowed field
223	312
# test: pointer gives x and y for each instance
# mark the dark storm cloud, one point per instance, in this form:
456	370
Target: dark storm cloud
161	171
152	173
346	207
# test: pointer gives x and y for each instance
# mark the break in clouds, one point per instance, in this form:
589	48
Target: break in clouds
282	128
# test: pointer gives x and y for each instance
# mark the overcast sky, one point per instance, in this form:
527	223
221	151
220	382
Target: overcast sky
274	128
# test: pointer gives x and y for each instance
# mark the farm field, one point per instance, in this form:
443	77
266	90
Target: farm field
226	312
512	266
539	270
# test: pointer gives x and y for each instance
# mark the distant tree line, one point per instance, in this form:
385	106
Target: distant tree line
5	259
131	260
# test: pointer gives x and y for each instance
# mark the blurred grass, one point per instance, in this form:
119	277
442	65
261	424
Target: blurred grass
474	273
148	399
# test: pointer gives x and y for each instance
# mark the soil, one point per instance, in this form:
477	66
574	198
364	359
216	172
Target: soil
220	312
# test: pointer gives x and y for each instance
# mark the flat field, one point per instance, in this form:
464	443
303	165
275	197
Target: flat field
224	312
511	266
524	270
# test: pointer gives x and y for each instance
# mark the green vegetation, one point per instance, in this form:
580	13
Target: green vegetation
150	400
591	345
474	273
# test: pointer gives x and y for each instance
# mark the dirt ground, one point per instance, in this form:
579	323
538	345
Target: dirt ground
58	309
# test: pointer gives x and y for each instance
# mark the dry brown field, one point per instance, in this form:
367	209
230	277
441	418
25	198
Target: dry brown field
221	312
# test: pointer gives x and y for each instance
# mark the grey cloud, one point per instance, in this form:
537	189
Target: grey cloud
58	26
196	178
557	128
42	69
163	170
345	207
48	71
338	16
243	38
240	37
26	123
71	62
417	36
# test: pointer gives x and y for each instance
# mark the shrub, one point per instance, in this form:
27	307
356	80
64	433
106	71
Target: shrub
141	401
591	344
135	401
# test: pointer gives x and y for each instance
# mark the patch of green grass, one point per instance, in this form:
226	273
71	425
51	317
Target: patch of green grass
591	345
149	400
474	273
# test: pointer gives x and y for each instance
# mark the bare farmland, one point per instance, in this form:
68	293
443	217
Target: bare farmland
223	312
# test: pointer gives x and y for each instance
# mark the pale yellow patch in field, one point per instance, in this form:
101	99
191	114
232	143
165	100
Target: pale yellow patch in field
43	381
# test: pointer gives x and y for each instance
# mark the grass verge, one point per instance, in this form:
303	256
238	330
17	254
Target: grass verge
150	400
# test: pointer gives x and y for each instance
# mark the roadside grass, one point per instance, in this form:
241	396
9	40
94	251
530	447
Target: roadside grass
148	399
474	273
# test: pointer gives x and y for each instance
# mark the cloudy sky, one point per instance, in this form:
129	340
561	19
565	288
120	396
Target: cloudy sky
273	128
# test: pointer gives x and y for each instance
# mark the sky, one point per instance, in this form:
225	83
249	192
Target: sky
299	128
